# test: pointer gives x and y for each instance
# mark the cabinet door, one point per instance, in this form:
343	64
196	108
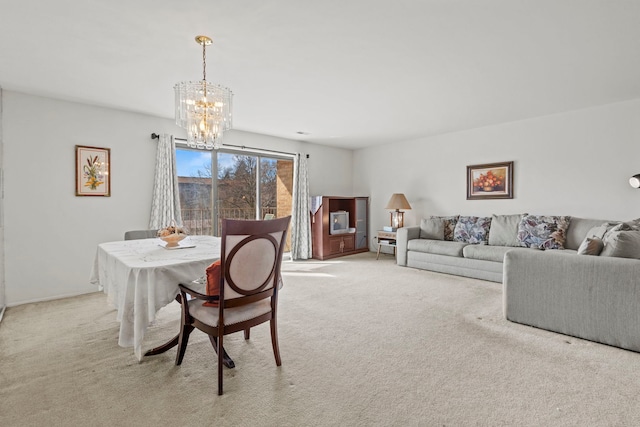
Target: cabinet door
336	245
348	243
362	240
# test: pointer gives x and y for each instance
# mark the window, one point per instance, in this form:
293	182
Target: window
247	186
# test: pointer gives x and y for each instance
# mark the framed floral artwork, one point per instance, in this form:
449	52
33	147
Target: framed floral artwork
93	167
490	181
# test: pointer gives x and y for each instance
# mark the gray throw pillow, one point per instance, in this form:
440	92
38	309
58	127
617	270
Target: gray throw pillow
633	224
432	228
599	231
612	228
591	246
504	230
449	225
623	244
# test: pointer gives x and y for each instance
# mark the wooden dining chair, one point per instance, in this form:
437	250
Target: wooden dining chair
250	260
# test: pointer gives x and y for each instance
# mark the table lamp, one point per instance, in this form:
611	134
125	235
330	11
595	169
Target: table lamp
397	202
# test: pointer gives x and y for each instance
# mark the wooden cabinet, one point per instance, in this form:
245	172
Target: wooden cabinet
341	244
326	245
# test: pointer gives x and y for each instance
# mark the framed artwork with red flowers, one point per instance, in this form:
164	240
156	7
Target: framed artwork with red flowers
490	181
93	167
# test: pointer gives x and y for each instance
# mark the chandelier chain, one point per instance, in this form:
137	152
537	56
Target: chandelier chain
204	61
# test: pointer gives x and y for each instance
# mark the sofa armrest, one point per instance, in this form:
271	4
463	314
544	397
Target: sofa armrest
590	297
403	235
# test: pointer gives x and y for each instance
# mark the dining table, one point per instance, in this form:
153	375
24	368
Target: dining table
140	277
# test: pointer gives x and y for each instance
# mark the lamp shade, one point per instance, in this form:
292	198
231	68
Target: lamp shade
398	201
634	181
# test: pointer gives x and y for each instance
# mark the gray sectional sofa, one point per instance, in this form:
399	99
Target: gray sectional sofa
425	246
574	290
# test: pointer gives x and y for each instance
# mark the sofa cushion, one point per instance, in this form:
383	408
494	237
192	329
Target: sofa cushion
623	244
543	231
489	253
438	247
472	229
591	246
579	229
449	226
432	228
504	230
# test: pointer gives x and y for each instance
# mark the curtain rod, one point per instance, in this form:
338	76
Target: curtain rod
242	147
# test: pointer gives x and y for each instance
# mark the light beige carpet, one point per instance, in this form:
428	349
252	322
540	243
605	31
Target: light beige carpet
363	343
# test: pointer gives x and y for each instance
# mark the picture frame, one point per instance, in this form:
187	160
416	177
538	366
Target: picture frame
490	181
93	171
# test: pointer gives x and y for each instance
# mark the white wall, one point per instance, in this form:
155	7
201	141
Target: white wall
2	287
50	234
329	167
576	163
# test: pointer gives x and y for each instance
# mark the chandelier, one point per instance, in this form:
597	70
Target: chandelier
202	108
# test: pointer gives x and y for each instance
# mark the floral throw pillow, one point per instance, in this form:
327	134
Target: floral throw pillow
449	225
543	232
472	229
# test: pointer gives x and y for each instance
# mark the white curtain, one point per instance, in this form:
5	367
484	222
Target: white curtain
165	203
300	219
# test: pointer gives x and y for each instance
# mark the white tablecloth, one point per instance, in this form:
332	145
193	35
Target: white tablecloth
140	277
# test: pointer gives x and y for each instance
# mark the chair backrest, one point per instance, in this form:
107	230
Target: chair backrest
251	256
140	234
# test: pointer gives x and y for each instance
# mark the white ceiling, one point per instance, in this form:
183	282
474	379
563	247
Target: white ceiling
350	73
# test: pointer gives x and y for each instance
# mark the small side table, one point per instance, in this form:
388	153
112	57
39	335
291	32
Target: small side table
386	238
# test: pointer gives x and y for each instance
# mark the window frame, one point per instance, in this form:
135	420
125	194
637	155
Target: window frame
243	151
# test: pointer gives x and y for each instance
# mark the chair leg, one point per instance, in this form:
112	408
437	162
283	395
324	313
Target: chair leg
274	341
246	333
220	350
183	339
226	359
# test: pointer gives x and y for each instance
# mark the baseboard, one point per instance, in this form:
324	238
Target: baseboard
49	298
